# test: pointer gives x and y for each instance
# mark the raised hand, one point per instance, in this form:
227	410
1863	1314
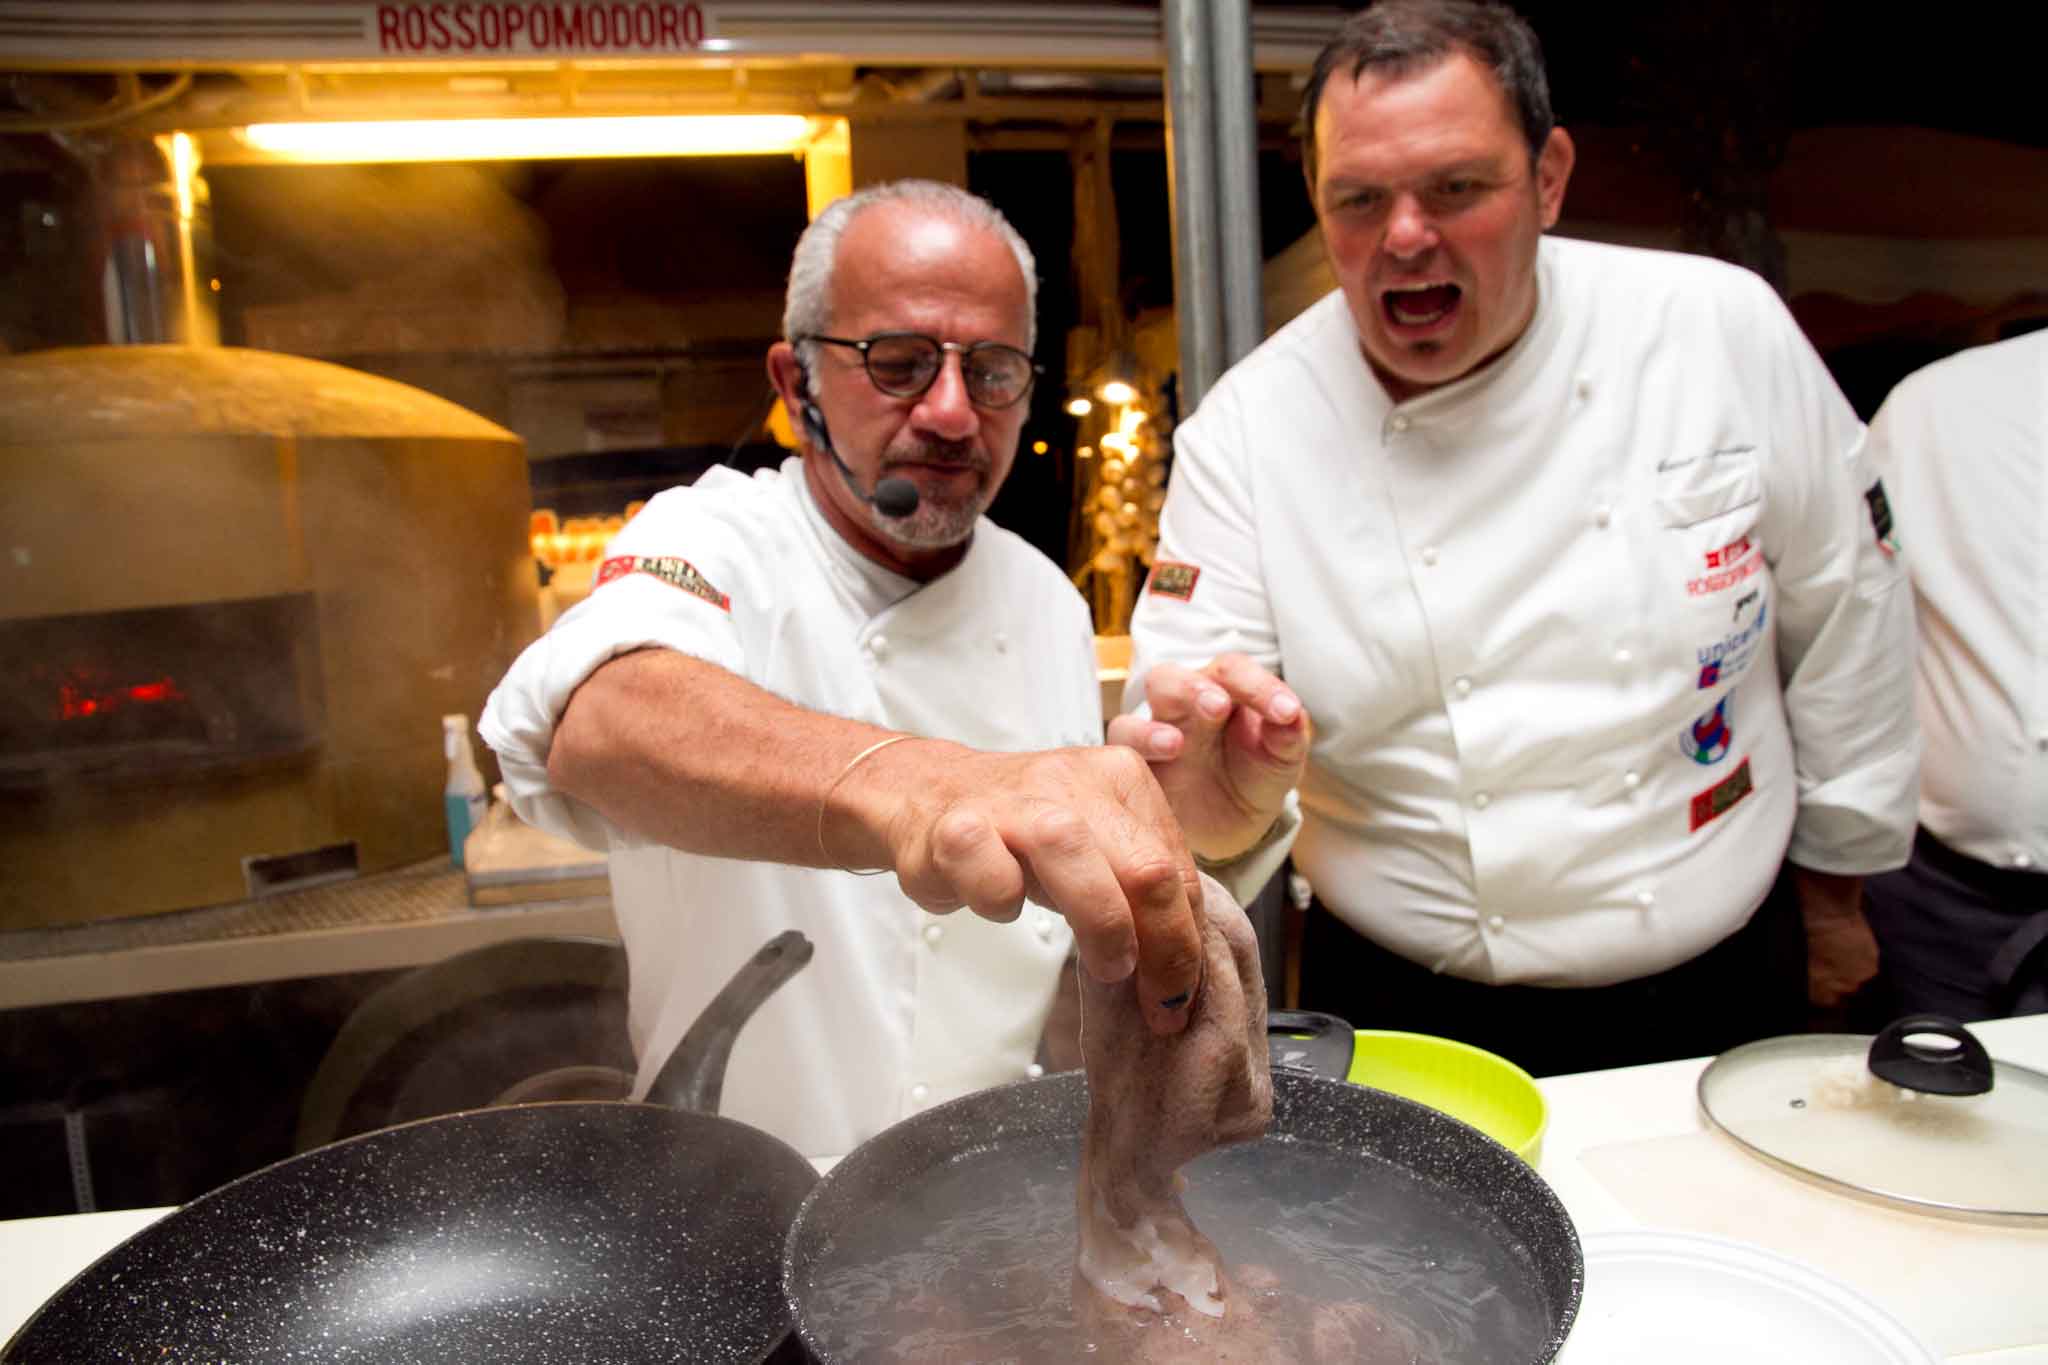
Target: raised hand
1227	742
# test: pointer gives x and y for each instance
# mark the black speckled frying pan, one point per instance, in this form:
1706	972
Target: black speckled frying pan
575	1232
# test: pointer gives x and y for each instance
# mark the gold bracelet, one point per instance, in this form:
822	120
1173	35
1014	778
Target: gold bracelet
833	786
1217	865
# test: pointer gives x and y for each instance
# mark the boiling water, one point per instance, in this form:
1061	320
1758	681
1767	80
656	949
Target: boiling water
974	1263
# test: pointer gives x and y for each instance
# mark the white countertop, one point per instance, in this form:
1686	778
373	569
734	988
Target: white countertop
1629	1149
1603	1126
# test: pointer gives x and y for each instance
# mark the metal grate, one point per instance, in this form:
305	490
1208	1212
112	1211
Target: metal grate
424	891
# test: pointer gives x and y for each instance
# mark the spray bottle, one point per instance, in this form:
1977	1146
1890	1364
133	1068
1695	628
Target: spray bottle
465	798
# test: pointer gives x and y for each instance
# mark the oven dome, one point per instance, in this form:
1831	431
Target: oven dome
238	591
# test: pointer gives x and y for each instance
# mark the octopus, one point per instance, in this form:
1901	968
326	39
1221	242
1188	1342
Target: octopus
1148	1286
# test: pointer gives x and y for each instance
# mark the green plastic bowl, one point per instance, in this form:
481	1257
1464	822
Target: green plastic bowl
1491	1093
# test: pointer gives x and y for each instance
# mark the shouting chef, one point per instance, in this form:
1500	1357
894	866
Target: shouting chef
1573	557
841	667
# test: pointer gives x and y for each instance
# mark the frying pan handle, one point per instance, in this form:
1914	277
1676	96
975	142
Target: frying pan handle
694	1074
1964	1069
1302	1040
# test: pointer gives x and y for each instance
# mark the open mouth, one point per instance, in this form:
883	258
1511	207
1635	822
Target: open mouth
1420	305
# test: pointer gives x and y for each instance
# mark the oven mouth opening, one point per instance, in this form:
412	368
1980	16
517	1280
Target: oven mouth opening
158	692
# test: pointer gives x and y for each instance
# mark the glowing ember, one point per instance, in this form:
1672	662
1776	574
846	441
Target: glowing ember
77	699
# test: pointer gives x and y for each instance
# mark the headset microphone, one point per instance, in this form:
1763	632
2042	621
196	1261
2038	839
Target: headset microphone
893	497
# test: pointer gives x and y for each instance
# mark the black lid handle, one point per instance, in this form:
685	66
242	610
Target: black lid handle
1964	1069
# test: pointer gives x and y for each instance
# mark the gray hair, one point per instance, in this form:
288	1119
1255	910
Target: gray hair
1399	38
805	309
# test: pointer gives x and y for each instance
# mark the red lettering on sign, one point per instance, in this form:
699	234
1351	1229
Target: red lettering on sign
534	26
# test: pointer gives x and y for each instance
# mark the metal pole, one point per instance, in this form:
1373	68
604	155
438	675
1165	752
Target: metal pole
1240	254
1191	172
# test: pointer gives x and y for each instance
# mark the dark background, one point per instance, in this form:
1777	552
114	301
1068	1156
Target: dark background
1683	79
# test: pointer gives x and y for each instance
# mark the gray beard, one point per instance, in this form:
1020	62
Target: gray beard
935	525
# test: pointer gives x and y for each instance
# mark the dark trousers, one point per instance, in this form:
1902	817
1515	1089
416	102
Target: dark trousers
1750	985
1956	936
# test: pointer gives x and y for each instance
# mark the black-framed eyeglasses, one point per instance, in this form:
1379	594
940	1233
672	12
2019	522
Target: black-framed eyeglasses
904	364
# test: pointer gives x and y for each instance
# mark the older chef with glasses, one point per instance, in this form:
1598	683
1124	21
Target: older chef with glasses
839	668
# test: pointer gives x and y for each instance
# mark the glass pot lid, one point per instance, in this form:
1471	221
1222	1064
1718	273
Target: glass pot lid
1892	1118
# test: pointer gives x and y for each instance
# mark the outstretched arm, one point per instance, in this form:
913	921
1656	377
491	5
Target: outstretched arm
682	752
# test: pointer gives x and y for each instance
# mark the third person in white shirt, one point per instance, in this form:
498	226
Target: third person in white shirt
1963	447
1573	557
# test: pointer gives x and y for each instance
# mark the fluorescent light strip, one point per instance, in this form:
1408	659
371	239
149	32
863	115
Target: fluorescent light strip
535	139
184	169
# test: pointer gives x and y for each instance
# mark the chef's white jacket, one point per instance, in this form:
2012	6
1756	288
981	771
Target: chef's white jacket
1589	636
1963	448
898	1009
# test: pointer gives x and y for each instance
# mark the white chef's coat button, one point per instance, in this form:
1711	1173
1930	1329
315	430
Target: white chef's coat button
1584	386
1602	515
1033	1072
919	1093
1623	655
1631	779
1462	686
879	646
2022	861
1044	928
1646	899
934	932
1429	554
1002	643
1400	423
1482	799
1496	923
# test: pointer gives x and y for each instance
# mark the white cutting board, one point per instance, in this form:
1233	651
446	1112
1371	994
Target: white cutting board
1960	1287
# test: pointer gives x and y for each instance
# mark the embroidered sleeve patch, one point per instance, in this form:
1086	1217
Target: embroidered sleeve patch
679	573
1881	518
1173	580
1715	801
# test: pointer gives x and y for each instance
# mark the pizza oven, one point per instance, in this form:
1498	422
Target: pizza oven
241	589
